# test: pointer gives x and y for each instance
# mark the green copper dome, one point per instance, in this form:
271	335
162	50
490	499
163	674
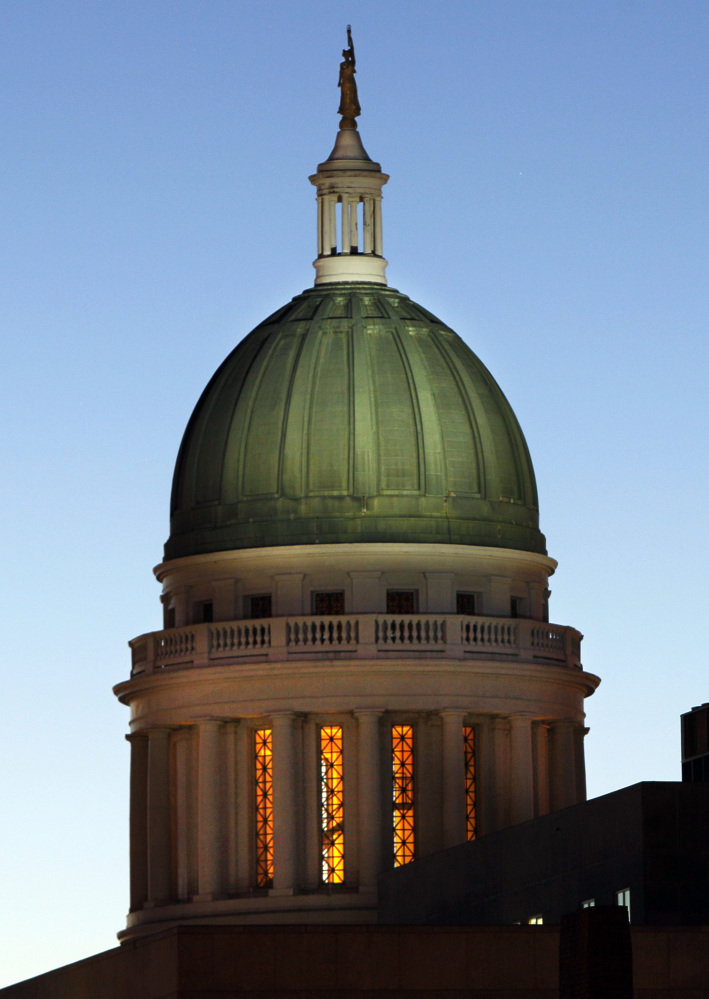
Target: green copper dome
352	415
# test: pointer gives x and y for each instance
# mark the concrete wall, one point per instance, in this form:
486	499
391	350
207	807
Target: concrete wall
484	962
650	838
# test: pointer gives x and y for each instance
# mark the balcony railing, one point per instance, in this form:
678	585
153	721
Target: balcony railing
357	636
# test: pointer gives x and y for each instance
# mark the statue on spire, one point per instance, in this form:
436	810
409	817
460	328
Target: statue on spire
349	102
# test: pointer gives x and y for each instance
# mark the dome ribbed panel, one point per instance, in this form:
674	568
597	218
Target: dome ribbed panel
396	423
329	452
352	414
266	417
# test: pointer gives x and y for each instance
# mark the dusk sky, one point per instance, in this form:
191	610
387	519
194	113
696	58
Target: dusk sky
549	200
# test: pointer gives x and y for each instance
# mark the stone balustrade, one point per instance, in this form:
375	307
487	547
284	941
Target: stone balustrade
358	636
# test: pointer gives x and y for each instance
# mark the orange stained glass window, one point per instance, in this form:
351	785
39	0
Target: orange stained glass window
263	757
402	739
332	819
469	750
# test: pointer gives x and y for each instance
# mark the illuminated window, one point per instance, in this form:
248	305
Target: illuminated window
588	903
469	750
402	737
622	897
329	602
263	757
537	920
332	815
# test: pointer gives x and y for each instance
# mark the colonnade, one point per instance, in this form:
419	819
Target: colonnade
192	813
349	225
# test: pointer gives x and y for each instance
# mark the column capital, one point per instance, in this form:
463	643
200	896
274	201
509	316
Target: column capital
281	717
522	718
159	731
135	736
208	722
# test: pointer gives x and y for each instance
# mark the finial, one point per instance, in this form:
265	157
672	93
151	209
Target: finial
349	103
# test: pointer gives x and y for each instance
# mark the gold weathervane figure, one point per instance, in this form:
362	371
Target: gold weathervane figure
349	102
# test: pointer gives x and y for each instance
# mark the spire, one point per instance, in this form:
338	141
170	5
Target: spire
349	186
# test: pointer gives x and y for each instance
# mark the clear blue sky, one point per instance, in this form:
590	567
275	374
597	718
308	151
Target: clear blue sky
548	199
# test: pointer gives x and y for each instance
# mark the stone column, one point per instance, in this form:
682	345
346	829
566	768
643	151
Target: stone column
245	820
579	736
368	225
378	234
365	591
224	603
541	767
563	765
320	227
439	586
486	778
354	233
345	220
183	608
369	797
453	778
184	812
331	223
284	803
159	838
138	820
289	593
498	597
312	804
231	873
501	773
208	811
535	593
521	769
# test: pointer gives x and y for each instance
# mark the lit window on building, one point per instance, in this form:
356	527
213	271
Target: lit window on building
588	903
465	603
258	606
402	601
263	757
332	818
403	797
469	750
622	897
329	602
537	920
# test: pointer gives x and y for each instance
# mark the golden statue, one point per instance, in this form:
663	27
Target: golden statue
349	103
